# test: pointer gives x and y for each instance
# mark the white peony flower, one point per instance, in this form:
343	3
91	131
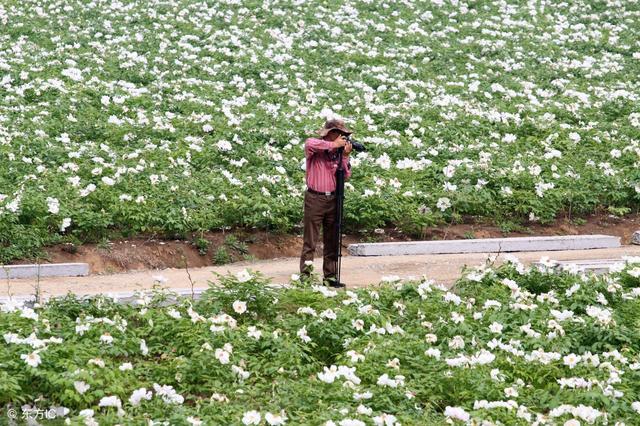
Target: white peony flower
66	222
110	401
443	203
32	359
81	387
138	395
251	418
239	306
276	419
456	413
243	276
53	205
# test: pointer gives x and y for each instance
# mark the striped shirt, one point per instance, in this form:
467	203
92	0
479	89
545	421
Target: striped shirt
322	163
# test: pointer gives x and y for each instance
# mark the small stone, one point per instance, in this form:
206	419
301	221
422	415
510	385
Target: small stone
635	238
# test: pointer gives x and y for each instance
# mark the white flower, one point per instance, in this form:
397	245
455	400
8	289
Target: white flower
81	387
496	327
384	380
364	395
511	392
351	422
636	406
364	410
32	359
53	205
431	338
302	334
385	420
575	137
74	74
456	413
138	395
108	181
174	314
358	324
195	421
443	203
355	356
433	352
66	222
168	394
239	306
110	401
222	356
224	145
571	360
125	366
329	374
87	413
106	338
497	375
328	314
457	318
252	331
96	361
143	347
509	137
243	276
457	342
251	418
276	419
449	171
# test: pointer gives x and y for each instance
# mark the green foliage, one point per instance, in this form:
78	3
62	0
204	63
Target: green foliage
246	344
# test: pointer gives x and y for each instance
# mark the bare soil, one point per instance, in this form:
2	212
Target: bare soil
149	252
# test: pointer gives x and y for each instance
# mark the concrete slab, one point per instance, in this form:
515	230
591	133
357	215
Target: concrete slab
128	297
486	245
595	266
44	270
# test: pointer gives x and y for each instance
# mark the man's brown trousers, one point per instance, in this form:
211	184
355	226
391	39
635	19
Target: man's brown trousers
320	209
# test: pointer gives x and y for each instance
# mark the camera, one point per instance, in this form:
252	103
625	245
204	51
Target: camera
358	146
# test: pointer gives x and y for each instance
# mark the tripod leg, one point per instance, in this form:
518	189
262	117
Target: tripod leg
329	235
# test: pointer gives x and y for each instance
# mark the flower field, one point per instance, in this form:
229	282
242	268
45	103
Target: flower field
507	345
178	116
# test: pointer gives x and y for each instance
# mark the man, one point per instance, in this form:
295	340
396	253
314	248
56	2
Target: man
320	199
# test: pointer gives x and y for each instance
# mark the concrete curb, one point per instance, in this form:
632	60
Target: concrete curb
45	270
486	245
595	266
128	297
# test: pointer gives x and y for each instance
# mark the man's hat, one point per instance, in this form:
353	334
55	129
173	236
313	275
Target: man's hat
333	124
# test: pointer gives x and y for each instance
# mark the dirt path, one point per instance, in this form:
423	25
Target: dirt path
356	271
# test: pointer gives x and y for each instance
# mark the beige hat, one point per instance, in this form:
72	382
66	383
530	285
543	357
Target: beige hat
334	124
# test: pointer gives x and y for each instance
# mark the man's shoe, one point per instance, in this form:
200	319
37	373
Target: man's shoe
333	283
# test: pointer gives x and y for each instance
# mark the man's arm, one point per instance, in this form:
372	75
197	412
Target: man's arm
313	145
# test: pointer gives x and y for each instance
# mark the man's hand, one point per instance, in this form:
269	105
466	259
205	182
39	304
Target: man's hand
339	142
347	149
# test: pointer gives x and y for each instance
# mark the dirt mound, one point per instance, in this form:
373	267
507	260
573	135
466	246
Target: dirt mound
216	248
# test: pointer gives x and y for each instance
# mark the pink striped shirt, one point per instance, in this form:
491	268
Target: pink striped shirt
321	168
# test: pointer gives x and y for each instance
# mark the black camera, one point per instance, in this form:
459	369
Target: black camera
358	146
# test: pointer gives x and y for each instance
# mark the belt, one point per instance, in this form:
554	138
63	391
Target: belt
320	193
